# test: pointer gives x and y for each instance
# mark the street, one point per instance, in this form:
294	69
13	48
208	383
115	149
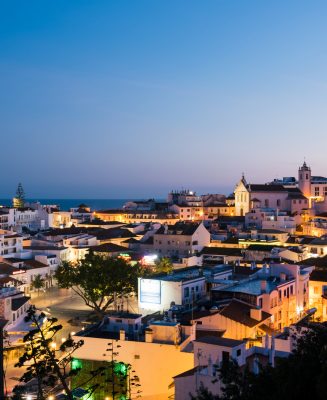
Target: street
62	304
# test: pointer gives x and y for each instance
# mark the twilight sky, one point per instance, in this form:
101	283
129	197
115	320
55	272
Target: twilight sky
114	99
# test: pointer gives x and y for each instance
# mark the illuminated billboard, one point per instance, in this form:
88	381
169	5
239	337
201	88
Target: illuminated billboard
150	291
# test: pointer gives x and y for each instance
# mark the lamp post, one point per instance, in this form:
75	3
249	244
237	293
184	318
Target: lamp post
3	323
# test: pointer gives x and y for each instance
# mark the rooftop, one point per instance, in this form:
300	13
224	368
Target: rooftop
239	311
253	287
180	228
220	341
19	302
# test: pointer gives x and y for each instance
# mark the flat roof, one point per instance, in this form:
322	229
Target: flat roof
254	286
220	341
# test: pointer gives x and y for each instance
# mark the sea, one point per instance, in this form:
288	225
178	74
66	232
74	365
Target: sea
66	204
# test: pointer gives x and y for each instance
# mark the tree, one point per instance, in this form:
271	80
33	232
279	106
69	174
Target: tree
44	364
20	194
19	200
164	265
99	280
116	381
38	283
204	394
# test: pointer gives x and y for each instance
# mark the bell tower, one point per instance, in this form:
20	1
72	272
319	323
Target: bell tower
305	180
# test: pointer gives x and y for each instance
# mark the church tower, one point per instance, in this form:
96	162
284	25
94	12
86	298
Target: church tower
305	180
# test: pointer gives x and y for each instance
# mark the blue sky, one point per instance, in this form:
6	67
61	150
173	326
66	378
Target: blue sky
112	99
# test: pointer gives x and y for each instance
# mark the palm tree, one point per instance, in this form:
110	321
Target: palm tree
164	265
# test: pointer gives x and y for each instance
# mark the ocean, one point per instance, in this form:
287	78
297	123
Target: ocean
66	204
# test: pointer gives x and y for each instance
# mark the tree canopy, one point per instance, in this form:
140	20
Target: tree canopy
99	280
163	265
37	283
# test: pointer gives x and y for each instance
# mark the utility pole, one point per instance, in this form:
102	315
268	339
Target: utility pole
3	323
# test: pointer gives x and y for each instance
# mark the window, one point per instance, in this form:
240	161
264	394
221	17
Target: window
317	191
186	292
266	203
278	203
260	302
238	352
316	290
136	356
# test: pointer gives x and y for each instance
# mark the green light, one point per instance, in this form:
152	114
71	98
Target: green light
120	369
76	364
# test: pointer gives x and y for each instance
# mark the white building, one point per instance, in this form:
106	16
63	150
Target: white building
11	243
268	218
180	240
183	288
13	305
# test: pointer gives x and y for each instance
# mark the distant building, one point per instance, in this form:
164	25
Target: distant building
11	243
250	196
180	240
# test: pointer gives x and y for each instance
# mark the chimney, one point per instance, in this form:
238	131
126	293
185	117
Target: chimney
148	335
282	276
263	286
256	314
121	334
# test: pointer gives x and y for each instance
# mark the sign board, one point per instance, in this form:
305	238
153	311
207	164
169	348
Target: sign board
150	291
